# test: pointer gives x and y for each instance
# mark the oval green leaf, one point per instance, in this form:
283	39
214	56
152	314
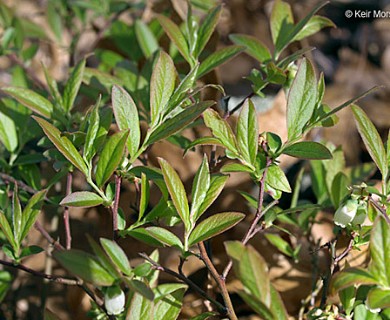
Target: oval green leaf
82	199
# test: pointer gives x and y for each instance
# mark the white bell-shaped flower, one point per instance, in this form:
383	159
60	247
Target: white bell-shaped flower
114	300
346	213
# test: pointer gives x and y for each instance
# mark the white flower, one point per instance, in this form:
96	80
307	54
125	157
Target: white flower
345	214
114	300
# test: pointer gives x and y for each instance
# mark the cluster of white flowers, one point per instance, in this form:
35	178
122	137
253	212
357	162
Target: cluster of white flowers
351	212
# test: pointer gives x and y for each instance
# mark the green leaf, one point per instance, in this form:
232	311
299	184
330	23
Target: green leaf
126	116
110	157
380	251
143	235
144	200
168	301
31	211
220	129
282	21
217	58
176	191
203	141
339	189
32	100
6	228
350	277
200	187
301	100
63	144
162	85
176	36
54	19
30	250
146	39
16	216
282	245
308	150
93	128
217	183
165	236
140	308
214	225
378	298
247	132
141	288
236	167
82	199
84	266
178	122
254	47
277	307
315	24
117	255
277	179
371	139
259	307
206	29
8	134
103	259
73	85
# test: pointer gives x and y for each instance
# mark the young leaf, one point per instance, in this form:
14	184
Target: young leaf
217	58
144	201
178	122
372	140
176	191
165	236
82	199
315	24
6	228
85	266
73	85
254	47
301	100
93	128
220	129
126	116
31	211
214	225
110	157
308	150
8	134
63	144
176	36
247	132
146	39
32	100
206	29
162	85
277	179
217	183
282	21
200	187
117	255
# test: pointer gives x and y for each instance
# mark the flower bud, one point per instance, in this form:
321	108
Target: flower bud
345	214
114	300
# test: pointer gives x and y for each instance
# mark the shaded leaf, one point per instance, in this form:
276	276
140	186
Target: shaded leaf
110	157
31	211
73	85
378	298
350	277
85	266
146	39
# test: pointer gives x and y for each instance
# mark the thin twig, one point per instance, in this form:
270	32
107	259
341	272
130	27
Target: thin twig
67	281
21	185
259	214
68	236
47	236
183	278
218	279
